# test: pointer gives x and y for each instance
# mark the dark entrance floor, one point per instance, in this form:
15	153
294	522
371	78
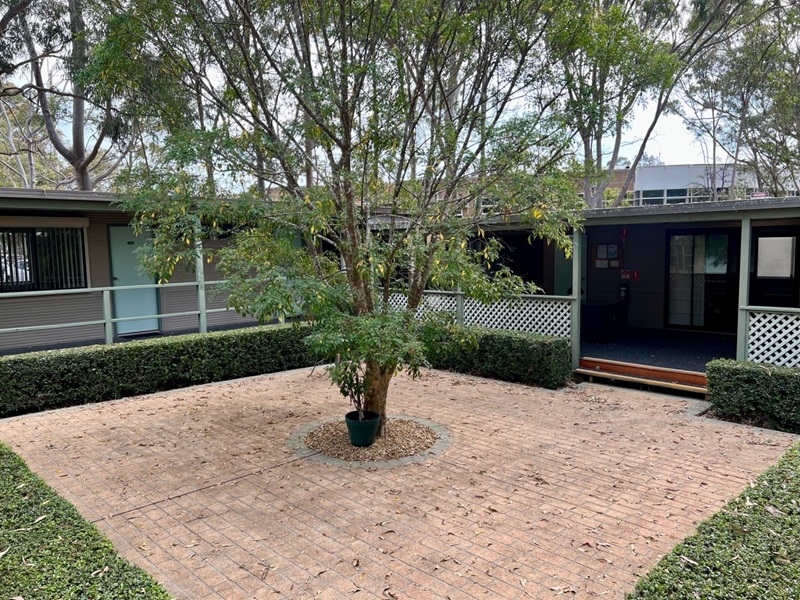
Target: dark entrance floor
673	348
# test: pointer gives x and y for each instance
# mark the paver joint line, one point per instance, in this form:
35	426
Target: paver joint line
195	491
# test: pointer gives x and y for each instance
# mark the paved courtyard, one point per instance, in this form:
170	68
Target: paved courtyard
541	494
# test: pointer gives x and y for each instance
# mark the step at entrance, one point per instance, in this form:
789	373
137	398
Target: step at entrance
675	379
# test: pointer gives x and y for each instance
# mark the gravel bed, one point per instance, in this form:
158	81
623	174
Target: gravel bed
402	437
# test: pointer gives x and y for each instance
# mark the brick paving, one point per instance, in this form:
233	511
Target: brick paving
540	494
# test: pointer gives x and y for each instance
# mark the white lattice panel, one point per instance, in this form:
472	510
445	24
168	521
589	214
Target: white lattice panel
535	315
774	338
431	302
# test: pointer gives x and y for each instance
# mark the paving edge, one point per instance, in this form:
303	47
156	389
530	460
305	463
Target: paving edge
696	409
444	439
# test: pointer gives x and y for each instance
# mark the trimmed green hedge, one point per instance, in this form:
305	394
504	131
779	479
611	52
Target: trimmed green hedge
744	390
506	355
56	378
748	550
48	552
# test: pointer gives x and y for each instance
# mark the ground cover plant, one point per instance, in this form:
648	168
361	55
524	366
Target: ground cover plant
49	552
748	550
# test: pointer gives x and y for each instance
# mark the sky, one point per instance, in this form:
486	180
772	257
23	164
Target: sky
670	140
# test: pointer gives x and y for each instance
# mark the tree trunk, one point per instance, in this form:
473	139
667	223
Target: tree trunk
376	383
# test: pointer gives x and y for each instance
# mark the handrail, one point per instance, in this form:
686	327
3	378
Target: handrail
515	297
771	309
108	321
112	288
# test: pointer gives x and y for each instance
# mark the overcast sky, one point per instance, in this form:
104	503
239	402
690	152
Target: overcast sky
670	140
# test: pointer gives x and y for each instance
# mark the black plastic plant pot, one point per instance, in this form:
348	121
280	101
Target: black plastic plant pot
362	433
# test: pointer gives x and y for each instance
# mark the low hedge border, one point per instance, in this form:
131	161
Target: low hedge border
511	356
58	378
47	550
748	550
746	390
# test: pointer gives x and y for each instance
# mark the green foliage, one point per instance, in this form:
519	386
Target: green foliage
387	337
745	389
749	550
48	552
342	176
56	378
506	355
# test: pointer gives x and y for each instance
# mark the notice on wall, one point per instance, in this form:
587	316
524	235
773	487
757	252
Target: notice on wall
606	256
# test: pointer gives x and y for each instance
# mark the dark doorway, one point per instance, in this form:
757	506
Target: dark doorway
702	280
523	256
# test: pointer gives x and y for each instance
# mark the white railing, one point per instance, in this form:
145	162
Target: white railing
108	320
548	315
772	335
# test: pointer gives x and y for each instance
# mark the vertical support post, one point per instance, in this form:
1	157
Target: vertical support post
200	279
575	325
459	306
108	324
744	290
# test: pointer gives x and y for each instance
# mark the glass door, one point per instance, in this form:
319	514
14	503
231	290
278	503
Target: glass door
701	282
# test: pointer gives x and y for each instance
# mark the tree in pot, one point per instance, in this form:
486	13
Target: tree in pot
388	341
348	150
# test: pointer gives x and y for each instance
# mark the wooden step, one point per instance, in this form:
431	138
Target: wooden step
676	379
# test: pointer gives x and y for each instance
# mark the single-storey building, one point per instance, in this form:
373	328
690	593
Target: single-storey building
668	285
63	253
677	285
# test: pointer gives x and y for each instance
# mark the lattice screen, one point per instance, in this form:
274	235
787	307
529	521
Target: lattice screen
774	338
431	302
537	315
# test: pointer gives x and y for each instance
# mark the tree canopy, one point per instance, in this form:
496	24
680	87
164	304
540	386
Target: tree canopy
359	147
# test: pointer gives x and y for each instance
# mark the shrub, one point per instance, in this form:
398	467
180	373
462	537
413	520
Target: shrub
49	552
750	549
744	389
507	355
56	378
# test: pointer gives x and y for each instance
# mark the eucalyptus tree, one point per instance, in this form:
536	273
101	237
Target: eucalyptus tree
742	97
53	46
27	160
359	147
617	55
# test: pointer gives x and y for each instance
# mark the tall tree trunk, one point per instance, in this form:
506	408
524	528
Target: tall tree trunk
376	384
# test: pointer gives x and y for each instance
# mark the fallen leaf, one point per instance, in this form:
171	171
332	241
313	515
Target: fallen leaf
774	511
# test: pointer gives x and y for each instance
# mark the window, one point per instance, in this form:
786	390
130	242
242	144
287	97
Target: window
47	258
776	257
652	197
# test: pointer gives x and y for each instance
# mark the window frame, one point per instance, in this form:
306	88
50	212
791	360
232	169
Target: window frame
31	225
